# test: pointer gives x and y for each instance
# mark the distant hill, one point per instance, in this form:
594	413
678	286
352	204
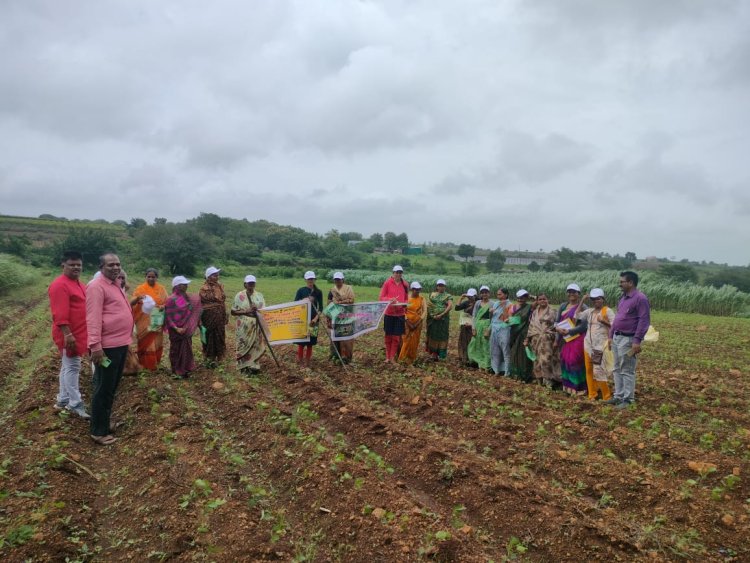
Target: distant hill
42	231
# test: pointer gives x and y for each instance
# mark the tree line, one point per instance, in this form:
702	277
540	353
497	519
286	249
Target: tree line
180	247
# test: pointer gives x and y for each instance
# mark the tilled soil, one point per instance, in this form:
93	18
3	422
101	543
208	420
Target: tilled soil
368	463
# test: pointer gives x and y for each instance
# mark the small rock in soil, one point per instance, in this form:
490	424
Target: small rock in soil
701	466
378	513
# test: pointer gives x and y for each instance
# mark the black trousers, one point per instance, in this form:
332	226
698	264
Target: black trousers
104	386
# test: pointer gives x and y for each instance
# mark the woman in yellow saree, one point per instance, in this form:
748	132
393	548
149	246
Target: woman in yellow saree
415	314
149	327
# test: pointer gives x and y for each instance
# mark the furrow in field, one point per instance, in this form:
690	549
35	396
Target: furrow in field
635	481
439	467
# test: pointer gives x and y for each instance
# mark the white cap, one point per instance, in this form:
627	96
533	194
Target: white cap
309	275
250	278
416	285
211	270
574	287
441	281
471	292
484	288
521	292
596	292
338	276
398	268
178	280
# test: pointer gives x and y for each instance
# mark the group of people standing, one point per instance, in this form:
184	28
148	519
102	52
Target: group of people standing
526	339
100	319
576	347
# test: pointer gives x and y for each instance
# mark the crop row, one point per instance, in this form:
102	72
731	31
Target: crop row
663	294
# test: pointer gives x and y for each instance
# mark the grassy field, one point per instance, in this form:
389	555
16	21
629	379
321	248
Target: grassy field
433	462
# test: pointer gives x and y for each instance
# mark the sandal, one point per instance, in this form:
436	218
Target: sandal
104	440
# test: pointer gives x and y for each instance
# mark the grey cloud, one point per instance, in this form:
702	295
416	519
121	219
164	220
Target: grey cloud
537	160
413	107
636	14
651	174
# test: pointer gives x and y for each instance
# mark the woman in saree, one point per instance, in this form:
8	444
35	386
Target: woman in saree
249	340
541	339
500	333
149	327
439	306
479	347
182	314
465	322
215	318
341	294
570	330
309	291
599	320
416	310
520	365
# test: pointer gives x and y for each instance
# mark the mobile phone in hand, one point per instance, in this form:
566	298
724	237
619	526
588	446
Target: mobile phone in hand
105	362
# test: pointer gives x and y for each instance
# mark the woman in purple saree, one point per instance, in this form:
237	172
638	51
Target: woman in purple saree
182	314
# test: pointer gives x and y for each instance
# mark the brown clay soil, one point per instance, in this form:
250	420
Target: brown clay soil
369	463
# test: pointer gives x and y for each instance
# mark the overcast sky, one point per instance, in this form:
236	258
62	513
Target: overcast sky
618	125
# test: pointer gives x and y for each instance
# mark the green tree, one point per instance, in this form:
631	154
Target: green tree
211	224
180	248
738	277
495	261
365	247
402	241
376	239
16	245
678	272
569	260
346	237
90	242
466	251
533	266
390	241
470	268
614	263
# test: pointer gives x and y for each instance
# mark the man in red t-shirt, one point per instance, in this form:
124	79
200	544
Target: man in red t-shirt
396	290
67	299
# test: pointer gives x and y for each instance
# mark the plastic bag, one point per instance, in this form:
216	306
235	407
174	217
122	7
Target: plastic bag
148	304
651	335
608	359
157	320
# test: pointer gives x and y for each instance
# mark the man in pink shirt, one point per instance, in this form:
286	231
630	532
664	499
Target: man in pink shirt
110	328
395	290
67	300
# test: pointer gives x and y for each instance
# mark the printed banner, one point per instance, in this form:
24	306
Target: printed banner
287	322
351	321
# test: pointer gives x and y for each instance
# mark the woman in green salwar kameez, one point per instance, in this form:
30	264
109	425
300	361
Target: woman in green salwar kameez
520	365
479	347
439	305
250	342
